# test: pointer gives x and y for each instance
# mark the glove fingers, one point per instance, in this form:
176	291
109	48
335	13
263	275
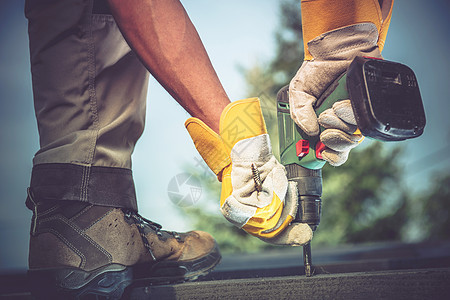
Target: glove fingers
236	212
289	210
329	119
302	111
339	140
344	111
335	158
295	234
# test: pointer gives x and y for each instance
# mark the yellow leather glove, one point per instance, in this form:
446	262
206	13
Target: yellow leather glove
264	211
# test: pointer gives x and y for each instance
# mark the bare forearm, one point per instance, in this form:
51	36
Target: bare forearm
162	35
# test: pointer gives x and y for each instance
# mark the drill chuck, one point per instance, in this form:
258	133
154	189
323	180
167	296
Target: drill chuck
309	183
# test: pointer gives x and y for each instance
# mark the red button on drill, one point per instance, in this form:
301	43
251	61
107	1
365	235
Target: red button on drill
302	148
319	148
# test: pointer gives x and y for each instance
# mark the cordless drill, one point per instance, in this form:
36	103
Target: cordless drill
386	101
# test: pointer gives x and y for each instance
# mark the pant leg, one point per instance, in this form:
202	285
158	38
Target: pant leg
89	93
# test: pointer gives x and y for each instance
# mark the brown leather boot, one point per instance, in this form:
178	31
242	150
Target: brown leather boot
78	250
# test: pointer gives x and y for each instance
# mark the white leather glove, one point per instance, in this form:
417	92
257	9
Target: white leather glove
332	53
256	195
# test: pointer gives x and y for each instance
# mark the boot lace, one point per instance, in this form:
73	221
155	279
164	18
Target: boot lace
141	222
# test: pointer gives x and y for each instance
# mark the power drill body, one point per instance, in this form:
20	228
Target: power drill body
387	105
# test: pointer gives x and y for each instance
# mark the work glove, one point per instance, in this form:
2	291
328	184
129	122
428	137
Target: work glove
256	195
327	57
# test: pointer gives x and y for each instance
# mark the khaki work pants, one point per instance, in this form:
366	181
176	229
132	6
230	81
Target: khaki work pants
89	93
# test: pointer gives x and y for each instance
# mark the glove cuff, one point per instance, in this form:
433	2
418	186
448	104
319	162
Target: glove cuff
345	43
322	16
209	145
241	120
386	13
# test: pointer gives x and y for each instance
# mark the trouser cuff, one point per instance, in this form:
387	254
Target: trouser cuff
104	186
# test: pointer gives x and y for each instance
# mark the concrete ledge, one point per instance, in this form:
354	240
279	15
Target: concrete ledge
406	284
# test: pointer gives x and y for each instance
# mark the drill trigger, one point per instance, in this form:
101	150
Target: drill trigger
302	148
319	149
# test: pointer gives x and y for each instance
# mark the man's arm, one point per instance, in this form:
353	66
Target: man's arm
166	41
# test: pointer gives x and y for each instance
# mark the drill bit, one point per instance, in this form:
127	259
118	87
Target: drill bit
307	261
257	178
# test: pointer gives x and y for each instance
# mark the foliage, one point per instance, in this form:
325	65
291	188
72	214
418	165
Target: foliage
363	199
435	208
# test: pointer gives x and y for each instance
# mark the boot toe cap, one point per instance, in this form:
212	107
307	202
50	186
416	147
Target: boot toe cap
198	244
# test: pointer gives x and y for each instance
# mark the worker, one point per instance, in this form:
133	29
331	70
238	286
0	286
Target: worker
90	62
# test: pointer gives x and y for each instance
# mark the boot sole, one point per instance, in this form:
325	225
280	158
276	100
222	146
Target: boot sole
110	282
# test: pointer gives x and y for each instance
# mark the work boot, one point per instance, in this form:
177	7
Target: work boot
78	250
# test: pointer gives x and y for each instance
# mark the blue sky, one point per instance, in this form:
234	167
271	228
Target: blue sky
235	33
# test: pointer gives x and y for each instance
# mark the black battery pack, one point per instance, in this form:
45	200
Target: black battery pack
386	99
